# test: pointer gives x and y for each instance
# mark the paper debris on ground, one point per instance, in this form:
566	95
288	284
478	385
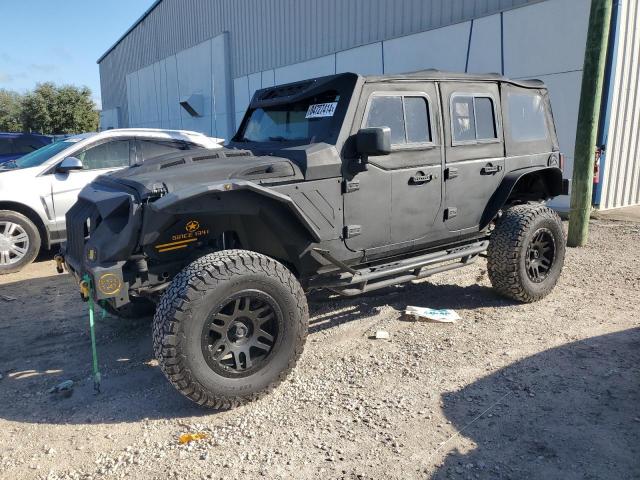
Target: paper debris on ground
382	335
433	315
7	298
190	437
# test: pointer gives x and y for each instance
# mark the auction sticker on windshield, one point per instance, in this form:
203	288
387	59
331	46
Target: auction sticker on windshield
320	110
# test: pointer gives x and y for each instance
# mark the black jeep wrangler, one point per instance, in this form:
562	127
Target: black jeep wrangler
345	183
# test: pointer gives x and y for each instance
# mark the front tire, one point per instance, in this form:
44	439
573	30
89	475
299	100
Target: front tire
230	327
526	252
19	241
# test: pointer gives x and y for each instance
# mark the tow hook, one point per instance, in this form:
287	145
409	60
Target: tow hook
59	263
84	290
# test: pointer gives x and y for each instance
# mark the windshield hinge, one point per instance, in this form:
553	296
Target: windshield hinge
351	231
349	186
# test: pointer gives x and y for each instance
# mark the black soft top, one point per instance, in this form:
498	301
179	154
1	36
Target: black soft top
346	82
433	74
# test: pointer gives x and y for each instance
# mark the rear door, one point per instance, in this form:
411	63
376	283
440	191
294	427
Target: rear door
99	159
474	153
398	198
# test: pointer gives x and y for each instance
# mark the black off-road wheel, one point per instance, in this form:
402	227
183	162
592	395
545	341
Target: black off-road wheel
526	252
230	327
19	241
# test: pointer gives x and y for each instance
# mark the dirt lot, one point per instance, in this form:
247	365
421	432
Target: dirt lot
547	390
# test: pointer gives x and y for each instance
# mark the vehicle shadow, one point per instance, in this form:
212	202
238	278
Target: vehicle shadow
328	310
570	412
44	340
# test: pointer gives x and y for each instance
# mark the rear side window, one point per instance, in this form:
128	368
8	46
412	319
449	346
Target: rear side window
154	148
527	121
406	116
473	119
113	154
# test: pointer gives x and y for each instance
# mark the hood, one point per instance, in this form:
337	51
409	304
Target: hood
170	173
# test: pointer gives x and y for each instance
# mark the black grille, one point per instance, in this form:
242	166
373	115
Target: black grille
77	230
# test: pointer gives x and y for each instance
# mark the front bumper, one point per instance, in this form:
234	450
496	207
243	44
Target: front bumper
101	283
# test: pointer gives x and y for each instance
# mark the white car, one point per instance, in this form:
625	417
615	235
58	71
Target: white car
37	190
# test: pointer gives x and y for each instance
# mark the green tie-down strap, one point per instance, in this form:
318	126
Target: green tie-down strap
92	330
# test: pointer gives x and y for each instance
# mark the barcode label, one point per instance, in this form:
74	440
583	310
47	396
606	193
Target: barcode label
320	110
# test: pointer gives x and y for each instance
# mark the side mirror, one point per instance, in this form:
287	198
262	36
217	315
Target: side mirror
374	141
69	164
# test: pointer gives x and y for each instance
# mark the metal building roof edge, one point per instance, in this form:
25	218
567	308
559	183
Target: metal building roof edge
129	30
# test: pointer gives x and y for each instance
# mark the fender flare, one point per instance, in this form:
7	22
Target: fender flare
553	180
174	198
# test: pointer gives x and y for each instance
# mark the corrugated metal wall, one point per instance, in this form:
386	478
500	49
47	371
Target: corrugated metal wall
621	182
266	34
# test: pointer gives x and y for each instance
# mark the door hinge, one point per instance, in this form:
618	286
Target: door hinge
450	173
352	231
450	213
349	186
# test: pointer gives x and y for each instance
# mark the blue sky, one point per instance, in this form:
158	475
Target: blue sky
60	41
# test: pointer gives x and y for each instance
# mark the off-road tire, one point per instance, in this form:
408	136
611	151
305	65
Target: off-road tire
185	309
508	249
34	240
137	308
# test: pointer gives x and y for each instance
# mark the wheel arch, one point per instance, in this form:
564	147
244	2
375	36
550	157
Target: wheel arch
32	215
263	220
520	186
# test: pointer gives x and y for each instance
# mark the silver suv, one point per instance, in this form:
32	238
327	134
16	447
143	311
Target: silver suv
37	190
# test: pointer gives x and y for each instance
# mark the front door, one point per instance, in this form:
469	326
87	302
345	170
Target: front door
474	152
397	200
97	160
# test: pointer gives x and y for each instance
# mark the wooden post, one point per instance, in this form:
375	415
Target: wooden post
588	117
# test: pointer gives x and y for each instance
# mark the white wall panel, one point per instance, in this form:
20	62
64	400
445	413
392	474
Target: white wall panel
268	78
365	60
485	50
194	78
173	119
311	68
255	83
241	97
443	48
110	119
222	87
547	37
147	98
133	99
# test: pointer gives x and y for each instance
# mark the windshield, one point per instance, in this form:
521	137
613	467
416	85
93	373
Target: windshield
310	120
38	157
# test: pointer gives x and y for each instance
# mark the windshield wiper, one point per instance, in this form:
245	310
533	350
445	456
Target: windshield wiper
278	139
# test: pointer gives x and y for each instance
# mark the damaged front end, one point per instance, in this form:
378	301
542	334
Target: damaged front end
102	234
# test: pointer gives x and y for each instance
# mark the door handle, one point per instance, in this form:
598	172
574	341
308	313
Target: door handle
420	179
490	169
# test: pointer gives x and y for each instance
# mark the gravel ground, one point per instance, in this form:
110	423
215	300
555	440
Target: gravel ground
546	390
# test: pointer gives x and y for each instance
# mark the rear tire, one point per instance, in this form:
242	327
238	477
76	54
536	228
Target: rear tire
19	241
230	327
526	252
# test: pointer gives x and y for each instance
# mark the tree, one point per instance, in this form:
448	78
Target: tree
59	110
10	110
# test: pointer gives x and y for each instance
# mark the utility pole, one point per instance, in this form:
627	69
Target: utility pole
588	117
